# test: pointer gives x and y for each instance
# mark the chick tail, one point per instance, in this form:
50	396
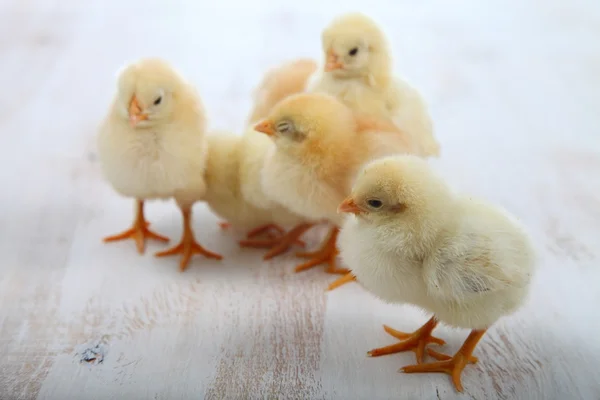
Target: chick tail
188	245
138	232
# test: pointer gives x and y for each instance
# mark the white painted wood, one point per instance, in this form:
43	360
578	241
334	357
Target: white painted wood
515	92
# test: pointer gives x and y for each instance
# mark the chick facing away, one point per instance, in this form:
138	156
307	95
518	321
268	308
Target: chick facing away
410	239
152	145
320	143
358	70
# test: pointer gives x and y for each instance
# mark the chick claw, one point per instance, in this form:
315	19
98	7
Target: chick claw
453	367
415	342
326	254
349	277
138	232
277	245
188	247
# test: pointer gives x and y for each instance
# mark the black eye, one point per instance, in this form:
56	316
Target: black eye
353	51
157	101
374	203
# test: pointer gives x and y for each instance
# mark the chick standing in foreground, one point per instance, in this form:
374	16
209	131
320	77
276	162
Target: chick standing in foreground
358	71
279	83
412	240
152	145
234	190
319	145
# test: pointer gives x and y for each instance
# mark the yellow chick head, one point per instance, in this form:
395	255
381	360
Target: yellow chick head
397	188
354	46
147	92
308	122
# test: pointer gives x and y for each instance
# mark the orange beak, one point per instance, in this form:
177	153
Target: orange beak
135	112
332	62
265	127
349	206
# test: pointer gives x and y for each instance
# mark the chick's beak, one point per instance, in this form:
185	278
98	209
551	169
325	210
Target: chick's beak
332	62
135	112
267	127
349	206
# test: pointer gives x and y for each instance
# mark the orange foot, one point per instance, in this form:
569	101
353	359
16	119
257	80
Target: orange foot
326	254
277	245
138	232
415	341
188	245
224	225
452	366
349	277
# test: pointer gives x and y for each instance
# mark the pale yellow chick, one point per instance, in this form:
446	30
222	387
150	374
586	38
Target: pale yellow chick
278	83
152	145
234	190
413	240
320	143
358	71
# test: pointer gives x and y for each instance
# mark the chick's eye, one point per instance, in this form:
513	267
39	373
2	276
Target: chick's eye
353	51
158	100
374	203
284	127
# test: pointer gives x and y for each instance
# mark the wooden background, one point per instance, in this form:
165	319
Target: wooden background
514	88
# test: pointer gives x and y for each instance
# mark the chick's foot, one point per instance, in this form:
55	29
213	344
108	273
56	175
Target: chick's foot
188	246
272	231
452	366
138	232
277	244
349	277
326	254
415	341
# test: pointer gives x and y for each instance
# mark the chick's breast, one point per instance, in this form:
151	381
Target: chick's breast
153	163
379	265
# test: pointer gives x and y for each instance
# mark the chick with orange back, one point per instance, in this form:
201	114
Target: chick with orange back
320	144
234	190
152	145
410	238
278	83
358	70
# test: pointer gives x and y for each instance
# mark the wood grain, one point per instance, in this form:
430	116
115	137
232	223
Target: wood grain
514	91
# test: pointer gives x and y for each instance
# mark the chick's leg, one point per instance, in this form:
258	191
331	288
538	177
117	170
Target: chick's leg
349	277
188	245
452	366
326	254
280	244
139	231
415	341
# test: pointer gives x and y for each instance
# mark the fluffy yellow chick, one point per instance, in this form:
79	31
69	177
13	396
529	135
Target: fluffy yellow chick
319	145
279	83
358	71
413	240
152	145
234	190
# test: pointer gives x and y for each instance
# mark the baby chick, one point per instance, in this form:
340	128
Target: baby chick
413	240
279	83
358	71
234	187
152	145
319	145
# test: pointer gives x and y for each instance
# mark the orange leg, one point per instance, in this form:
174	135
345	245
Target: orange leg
415	341
349	277
188	245
279	244
326	254
139	231
452	366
